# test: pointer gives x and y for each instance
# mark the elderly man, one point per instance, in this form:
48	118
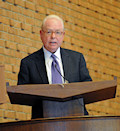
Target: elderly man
52	64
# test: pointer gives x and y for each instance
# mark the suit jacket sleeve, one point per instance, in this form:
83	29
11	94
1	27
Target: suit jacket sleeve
23	76
84	73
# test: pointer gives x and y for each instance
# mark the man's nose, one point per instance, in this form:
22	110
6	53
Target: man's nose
53	35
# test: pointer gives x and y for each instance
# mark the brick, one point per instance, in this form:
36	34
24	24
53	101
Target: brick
7	36
31	50
30	5
17	39
4	120
27	12
10	114
10	106
15	16
31	0
27	109
26	27
50	11
38	45
37	23
2	59
11	82
35	37
9	52
11	60
15	23
10	30
21	33
40	9
18	108
2	43
28	41
10	45
28	116
16	9
5	28
10	1
3	106
15	69
0	34
21	116
22	48
36	30
21	18
19	54
6	13
20	2
1	50
1	113
43	3
8	67
1	27
39	16
30	21
4	20
1	11
10	75
5	5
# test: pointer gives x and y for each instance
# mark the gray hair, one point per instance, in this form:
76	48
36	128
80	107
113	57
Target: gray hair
54	17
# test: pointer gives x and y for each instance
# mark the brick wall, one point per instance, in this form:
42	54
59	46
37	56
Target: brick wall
92	28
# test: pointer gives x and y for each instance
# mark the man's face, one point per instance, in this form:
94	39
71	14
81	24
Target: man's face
52	34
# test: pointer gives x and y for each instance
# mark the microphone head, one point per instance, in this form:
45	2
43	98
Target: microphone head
55	65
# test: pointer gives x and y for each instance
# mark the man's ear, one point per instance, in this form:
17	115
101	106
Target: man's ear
40	32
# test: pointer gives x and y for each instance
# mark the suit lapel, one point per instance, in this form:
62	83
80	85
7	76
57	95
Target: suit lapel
66	63
40	63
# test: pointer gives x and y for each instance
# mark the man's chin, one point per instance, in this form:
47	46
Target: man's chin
52	50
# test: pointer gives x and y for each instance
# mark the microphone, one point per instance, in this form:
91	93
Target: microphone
65	80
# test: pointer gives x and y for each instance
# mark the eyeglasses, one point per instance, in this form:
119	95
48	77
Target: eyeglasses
50	32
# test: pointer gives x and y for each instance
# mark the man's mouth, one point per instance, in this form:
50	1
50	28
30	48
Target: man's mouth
53	42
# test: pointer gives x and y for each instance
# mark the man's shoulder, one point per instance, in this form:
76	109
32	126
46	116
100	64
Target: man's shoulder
72	52
34	55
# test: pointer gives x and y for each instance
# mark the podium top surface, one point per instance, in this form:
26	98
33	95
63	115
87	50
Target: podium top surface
90	91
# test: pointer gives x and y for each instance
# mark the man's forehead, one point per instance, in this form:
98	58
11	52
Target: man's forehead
53	22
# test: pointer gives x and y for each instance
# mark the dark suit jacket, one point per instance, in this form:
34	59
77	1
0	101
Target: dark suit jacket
33	71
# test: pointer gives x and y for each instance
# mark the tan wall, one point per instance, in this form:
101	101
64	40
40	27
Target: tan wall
92	27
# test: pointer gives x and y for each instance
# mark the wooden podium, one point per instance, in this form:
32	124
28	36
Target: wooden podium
60	100
89	123
3	93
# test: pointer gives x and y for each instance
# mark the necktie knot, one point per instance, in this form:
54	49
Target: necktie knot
54	57
55	62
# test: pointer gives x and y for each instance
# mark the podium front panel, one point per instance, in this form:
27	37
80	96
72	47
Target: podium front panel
62	109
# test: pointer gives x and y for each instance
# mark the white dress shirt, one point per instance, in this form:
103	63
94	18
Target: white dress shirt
48	63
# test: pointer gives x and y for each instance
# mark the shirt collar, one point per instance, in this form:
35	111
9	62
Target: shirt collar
57	53
48	54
